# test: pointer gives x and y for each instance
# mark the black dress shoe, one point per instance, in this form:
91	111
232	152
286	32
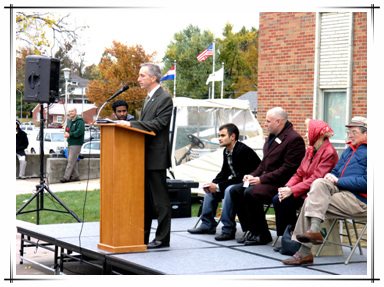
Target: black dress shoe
157	244
258	240
246	235
200	230
225	236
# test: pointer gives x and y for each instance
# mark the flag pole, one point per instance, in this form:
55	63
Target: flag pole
174	83
213	69
222	81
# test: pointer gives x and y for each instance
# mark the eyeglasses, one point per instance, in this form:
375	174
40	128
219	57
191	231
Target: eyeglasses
354	133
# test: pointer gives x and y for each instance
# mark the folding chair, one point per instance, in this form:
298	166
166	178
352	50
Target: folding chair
359	236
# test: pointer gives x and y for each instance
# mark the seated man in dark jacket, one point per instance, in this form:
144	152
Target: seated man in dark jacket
239	159
340	194
282	154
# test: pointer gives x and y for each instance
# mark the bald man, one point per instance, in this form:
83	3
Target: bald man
282	154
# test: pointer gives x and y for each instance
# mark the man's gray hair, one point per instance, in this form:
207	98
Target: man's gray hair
153	70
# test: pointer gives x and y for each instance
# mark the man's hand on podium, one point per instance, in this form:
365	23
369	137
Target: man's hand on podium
124	123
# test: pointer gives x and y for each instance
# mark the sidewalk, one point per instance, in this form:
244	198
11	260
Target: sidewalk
29	185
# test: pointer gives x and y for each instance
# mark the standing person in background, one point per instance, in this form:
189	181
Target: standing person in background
21	145
74	133
155	116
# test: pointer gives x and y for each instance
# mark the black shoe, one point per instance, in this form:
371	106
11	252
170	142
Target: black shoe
225	236
200	230
246	235
277	249
157	244
64	180
74	179
258	240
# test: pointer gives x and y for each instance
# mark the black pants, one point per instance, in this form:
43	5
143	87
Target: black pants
285	212
157	205
249	207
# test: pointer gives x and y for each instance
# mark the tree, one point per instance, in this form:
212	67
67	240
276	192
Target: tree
191	74
238	52
119	66
32	29
42	34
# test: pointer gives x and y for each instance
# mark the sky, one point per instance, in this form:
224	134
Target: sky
153	27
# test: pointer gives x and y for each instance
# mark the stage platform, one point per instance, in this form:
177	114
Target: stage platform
188	254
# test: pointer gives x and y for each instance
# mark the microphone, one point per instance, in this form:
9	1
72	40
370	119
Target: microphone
123	89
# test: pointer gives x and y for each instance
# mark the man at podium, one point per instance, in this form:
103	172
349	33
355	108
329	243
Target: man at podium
155	116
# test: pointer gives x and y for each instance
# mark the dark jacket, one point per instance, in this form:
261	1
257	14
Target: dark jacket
351	171
76	131
156	117
21	142
244	161
282	158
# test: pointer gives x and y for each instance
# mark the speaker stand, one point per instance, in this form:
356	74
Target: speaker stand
42	187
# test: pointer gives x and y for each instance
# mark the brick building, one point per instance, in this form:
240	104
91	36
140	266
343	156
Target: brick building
314	65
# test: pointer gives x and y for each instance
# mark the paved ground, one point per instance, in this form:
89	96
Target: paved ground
29	185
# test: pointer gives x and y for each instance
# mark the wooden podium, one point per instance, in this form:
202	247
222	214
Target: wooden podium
122	171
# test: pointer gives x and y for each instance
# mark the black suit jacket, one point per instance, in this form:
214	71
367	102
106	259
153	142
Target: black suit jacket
156	117
244	161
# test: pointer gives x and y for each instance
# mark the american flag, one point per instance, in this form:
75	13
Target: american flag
206	53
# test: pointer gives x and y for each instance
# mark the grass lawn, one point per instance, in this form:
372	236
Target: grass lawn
86	205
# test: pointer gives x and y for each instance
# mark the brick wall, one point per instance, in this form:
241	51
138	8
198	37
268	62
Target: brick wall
286	65
359	86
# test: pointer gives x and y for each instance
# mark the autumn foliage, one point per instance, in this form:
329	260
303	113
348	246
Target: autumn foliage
119	66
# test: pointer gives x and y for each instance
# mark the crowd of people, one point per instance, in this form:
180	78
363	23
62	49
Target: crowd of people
290	175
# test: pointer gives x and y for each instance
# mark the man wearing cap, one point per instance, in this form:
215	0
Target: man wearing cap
340	194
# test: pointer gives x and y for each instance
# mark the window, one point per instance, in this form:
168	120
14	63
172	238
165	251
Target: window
335	111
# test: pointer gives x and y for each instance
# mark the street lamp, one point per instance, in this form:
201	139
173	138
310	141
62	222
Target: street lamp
66	76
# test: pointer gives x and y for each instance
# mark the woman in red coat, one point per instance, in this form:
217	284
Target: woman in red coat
320	158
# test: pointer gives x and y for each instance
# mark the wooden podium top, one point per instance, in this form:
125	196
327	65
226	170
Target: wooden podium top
124	127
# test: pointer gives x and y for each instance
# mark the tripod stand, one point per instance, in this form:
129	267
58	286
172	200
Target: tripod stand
40	188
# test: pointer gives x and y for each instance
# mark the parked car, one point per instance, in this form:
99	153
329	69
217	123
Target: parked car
54	141
29	129
92	147
55	126
91	135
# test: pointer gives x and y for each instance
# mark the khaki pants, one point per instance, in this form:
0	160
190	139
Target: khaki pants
72	165
325	200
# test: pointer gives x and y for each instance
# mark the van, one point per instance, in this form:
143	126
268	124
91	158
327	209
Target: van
54	141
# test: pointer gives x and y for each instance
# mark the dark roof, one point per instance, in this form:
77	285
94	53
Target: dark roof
252	98
81	82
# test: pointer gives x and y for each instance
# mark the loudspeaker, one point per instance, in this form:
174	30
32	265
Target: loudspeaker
41	79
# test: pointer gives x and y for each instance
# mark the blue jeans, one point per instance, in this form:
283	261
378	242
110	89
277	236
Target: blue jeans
211	201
